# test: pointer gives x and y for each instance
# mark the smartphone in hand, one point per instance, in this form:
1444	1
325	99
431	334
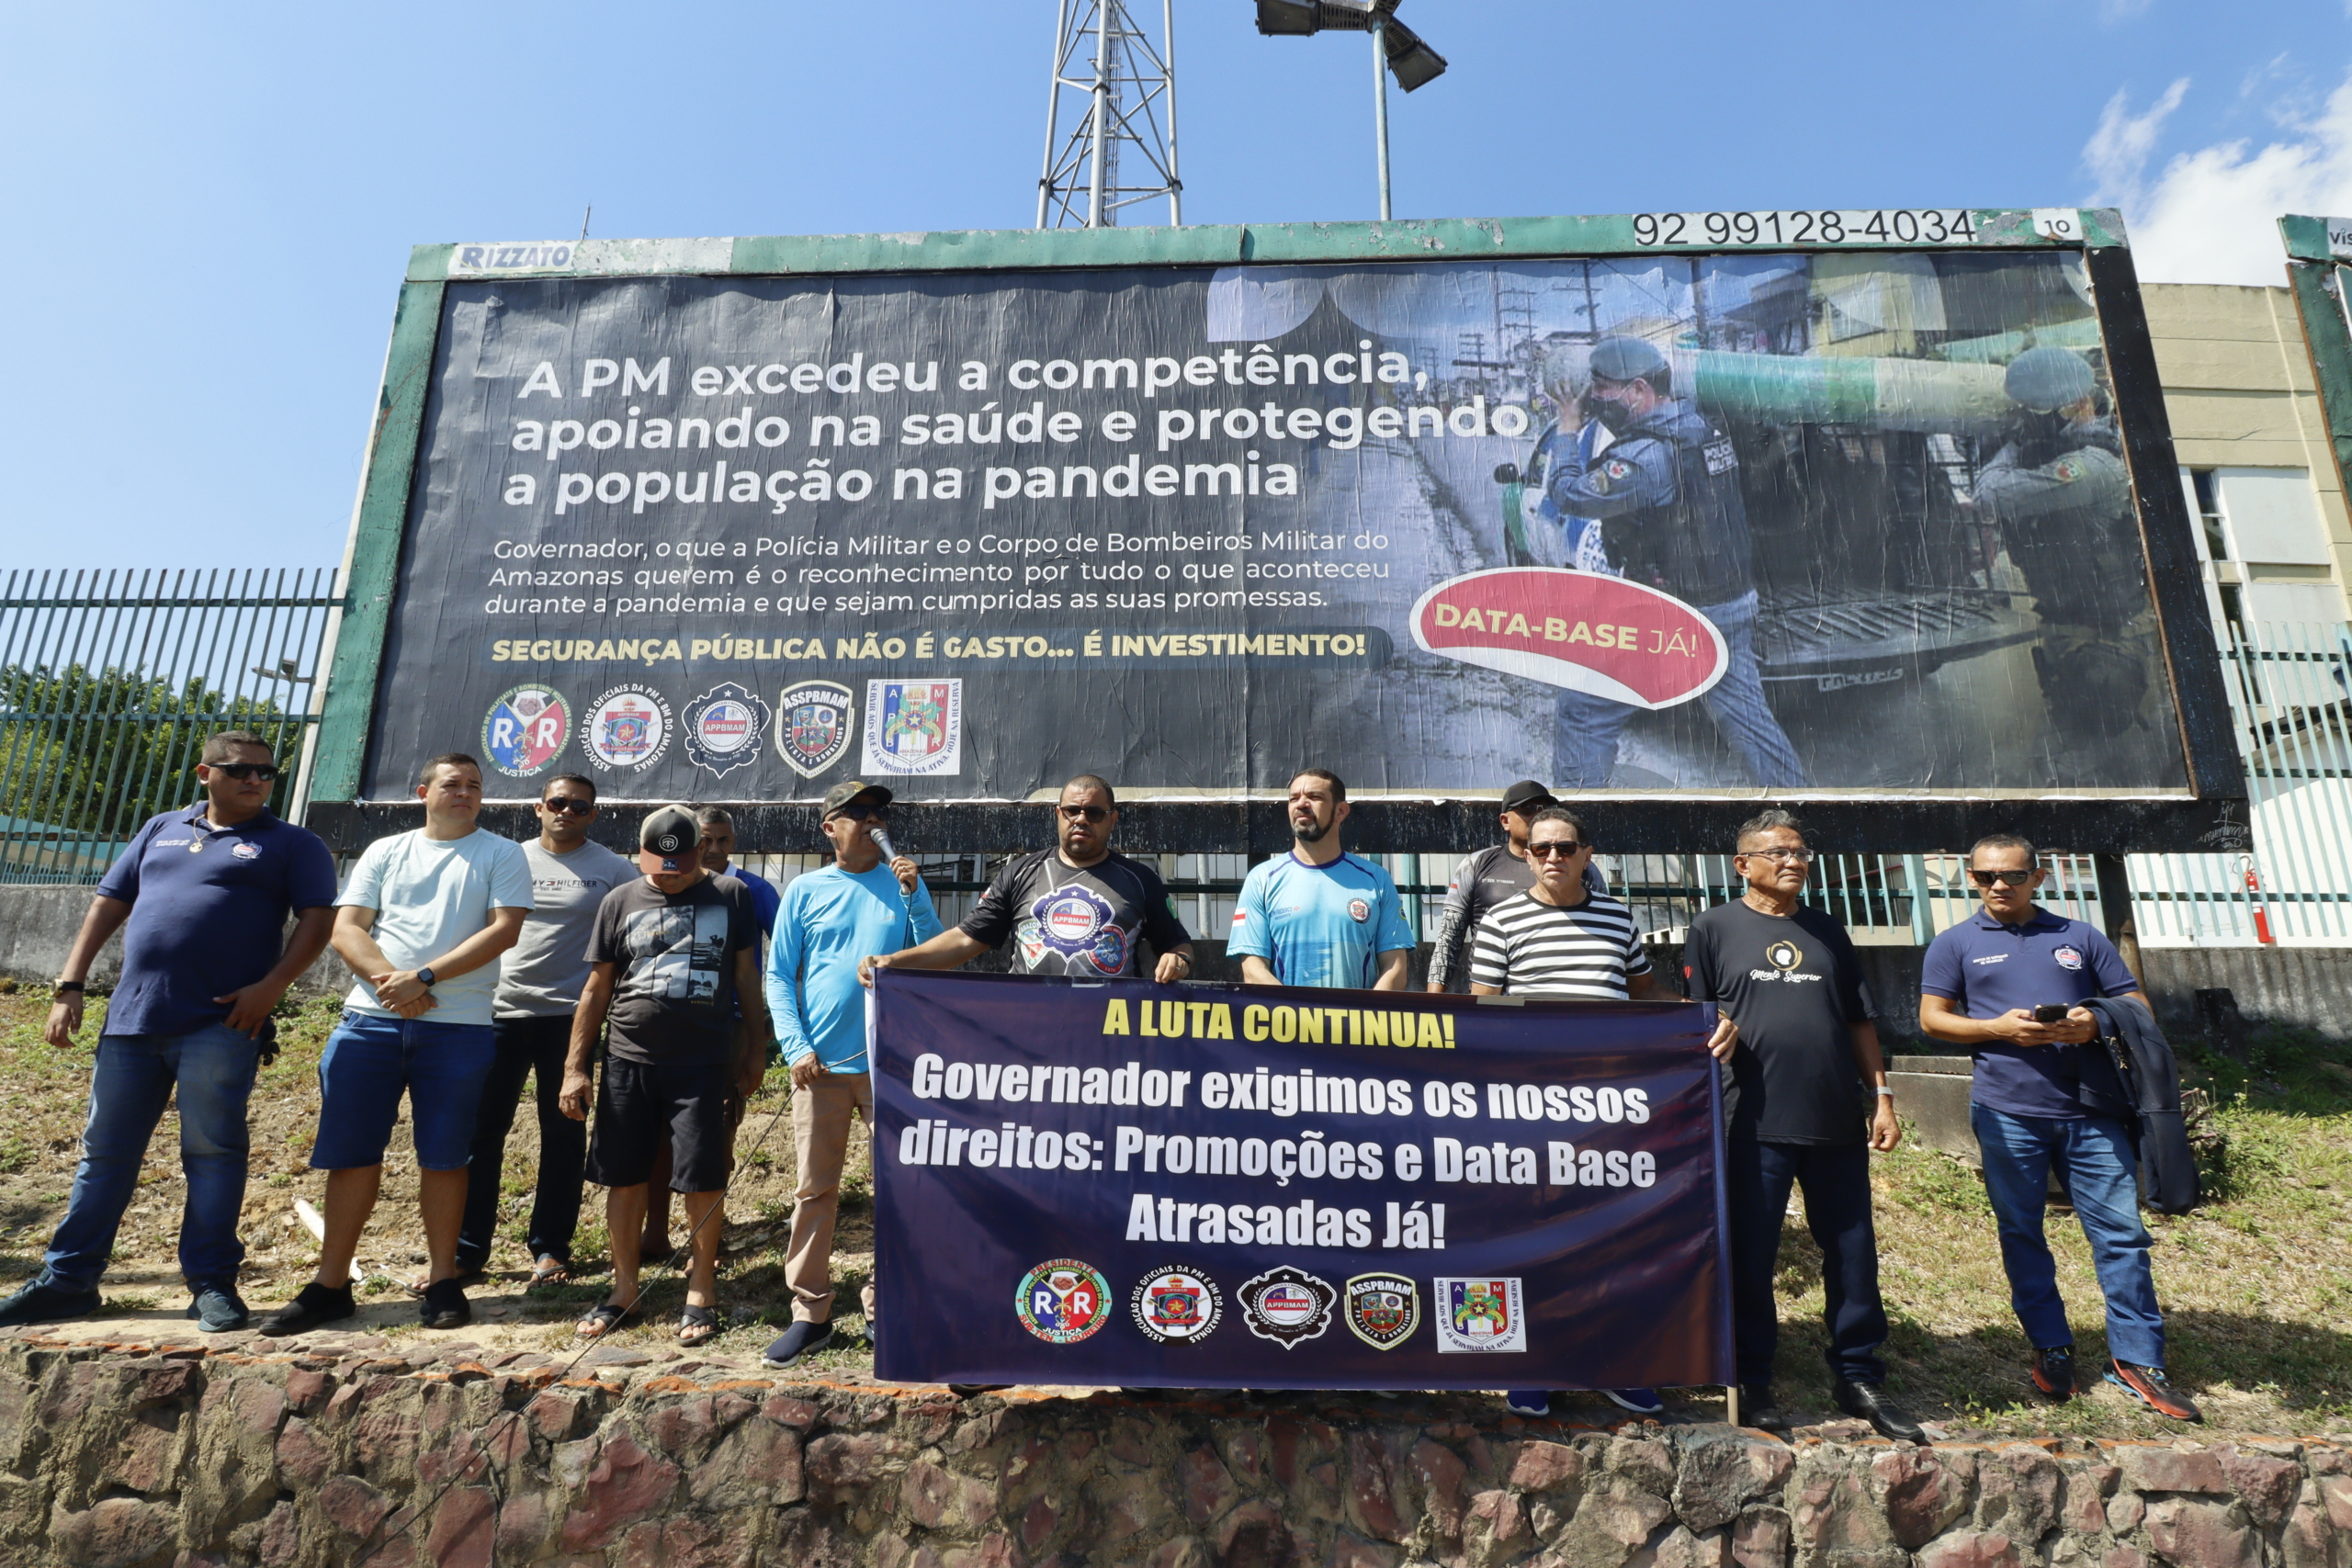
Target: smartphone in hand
2052	1013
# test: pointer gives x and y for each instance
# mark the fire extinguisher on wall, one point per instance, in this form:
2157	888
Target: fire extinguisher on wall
2261	919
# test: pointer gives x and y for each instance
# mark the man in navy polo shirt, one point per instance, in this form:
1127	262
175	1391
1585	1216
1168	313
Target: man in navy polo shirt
1981	984
206	892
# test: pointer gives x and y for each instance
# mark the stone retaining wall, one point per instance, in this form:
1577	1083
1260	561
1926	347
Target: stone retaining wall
135	1456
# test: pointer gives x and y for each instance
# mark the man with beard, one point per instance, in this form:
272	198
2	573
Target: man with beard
2062	499
1667	490
1074	910
1319	915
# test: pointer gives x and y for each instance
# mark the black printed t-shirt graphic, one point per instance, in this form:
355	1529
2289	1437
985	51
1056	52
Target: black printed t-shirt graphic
1793	985
673	985
1081	920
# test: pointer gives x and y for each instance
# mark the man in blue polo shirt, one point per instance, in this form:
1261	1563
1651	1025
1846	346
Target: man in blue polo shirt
1319	915
1981	984
206	892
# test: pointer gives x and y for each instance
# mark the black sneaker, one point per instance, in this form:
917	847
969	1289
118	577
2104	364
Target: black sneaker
802	1338
312	1308
40	1302
1757	1409
2054	1373
444	1305
217	1309
2152	1388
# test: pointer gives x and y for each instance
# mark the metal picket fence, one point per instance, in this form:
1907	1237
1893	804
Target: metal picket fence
109	683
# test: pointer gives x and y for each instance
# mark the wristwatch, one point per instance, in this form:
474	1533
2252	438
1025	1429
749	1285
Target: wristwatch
69	985
426	977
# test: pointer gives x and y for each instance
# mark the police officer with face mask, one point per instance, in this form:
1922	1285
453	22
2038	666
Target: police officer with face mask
2059	492
1665	490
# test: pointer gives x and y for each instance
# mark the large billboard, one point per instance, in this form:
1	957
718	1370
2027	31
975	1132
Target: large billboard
1770	519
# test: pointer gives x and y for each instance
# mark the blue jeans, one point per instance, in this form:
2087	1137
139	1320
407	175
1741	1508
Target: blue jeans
213	1070
1583	737
2094	1162
1837	1182
535	1048
368	1064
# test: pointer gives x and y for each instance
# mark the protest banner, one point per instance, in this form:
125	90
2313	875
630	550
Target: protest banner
1242	1186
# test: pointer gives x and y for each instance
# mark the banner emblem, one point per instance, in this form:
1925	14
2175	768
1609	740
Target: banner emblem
813	724
1587	631
1286	1305
1174	1305
1384	1310
1062	1302
723	729
915	726
1480	1315
629	727
524	729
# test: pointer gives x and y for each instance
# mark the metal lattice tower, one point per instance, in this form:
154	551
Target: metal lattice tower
1120	148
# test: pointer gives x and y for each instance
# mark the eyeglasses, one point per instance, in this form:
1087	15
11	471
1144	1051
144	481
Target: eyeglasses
567	805
865	813
1091	813
1794	857
266	771
1561	848
2005	878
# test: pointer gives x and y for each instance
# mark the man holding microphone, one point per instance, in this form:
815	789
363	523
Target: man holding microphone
828	920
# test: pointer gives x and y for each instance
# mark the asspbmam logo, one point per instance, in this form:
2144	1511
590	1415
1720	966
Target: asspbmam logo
524	729
813	725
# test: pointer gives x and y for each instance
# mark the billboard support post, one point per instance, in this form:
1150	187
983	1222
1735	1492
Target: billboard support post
1380	106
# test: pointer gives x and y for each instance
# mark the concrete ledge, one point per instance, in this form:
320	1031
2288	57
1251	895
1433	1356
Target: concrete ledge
142	1456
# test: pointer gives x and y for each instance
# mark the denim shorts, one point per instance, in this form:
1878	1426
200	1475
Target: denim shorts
370	1060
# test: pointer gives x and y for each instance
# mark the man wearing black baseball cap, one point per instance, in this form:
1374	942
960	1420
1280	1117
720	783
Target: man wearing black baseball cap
829	920
671	953
1486	879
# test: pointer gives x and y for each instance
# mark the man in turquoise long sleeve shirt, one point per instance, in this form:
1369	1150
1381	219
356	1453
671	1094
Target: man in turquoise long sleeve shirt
828	920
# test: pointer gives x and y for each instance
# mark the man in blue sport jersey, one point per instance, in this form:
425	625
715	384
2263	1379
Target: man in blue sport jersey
1319	915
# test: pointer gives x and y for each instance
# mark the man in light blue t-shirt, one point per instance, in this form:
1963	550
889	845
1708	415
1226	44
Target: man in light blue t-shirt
422	922
828	921
1319	915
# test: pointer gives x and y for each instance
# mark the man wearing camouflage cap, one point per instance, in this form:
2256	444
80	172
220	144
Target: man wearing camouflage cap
1666	491
2062	498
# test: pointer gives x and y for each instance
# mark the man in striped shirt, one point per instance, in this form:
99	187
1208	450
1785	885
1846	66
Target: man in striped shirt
1560	940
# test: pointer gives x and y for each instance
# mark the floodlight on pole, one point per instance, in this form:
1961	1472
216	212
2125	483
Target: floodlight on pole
1126	122
1396	50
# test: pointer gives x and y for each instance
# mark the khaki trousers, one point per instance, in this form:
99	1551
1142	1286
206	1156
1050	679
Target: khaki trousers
820	1133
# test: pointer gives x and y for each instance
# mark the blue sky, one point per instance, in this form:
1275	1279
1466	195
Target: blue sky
208	211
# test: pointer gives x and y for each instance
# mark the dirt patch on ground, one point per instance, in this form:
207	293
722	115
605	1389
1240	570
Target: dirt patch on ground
2255	1285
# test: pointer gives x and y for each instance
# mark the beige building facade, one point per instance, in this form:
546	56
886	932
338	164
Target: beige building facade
2274	538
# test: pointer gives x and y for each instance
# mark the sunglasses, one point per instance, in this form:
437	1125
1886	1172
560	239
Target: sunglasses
1090	813
1795	857
266	771
2005	878
865	813
567	805
1561	848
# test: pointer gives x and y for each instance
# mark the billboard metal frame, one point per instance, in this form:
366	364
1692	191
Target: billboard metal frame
2209	816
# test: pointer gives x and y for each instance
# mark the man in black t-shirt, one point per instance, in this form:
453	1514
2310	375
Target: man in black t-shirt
1796	1116
669	956
1487	880
1076	909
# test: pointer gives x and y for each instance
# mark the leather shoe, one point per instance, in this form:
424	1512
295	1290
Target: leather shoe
1757	1409
41	1302
1869	1401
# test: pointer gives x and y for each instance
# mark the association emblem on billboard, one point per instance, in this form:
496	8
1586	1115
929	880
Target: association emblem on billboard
524	729
628	728
814	721
1062	1302
723	729
1175	1305
1287	1305
1383	1310
1480	1315
915	726
1587	631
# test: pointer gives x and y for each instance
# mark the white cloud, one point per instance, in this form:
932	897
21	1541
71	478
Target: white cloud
2212	215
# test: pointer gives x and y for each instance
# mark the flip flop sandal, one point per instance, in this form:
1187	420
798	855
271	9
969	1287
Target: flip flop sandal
697	1325
601	1320
548	1271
